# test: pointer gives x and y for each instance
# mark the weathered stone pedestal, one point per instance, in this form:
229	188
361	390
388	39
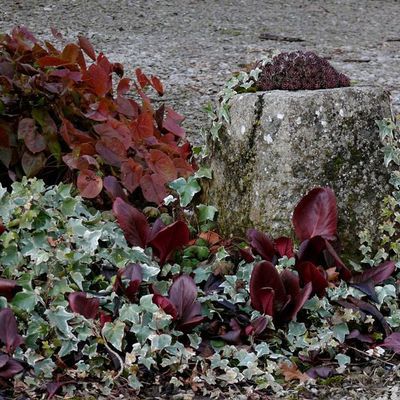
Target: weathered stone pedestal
281	144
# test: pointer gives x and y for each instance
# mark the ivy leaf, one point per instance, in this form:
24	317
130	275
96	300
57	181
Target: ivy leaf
114	333
206	213
185	189
25	300
59	318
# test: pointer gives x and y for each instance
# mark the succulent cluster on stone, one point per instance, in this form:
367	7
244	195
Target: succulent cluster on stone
300	71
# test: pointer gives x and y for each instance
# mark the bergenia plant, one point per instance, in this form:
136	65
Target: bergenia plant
164	240
277	294
181	303
315	226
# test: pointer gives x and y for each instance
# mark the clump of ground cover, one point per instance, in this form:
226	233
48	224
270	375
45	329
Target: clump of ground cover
300	71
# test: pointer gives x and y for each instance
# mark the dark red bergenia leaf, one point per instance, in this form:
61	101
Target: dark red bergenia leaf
266	288
166	305
284	247
9	367
320	372
81	304
183	295
132	222
344	272
298	296
8	330
261	244
316	215
366	308
104	318
142	79
392	342
169	239
98	79
246	255
308	272
157	226
129	279
8	287
367	280
257	326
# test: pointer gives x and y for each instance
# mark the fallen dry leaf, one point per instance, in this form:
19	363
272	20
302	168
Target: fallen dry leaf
291	372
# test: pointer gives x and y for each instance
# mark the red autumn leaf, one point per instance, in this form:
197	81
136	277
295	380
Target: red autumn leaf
32	164
70	53
316	215
145	125
131	174
34	141
89	184
87	47
123	86
114	188
153	188
111	150
142	79
161	164
132	222
8	288
261	244
127	107
171	124
99	80
81	304
157	85
169	239
291	372
50	61
9	331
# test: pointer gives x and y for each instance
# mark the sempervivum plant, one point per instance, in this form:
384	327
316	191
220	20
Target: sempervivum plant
300	71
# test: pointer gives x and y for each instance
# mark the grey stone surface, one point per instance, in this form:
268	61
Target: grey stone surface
195	45
281	144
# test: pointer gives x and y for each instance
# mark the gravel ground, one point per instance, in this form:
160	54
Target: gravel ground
194	46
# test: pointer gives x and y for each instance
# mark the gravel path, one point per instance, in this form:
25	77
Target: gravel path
194	45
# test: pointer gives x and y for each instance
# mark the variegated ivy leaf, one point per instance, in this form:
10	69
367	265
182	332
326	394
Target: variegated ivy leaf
340	331
114	333
59	318
160	342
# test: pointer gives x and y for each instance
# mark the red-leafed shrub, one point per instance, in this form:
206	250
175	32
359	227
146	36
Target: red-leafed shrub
62	120
300	71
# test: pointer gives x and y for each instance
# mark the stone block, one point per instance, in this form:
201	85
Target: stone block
281	144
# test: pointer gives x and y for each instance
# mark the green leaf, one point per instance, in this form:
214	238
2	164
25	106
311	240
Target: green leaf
206	213
25	300
203	172
114	333
340	331
160	342
342	359
59	318
185	189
